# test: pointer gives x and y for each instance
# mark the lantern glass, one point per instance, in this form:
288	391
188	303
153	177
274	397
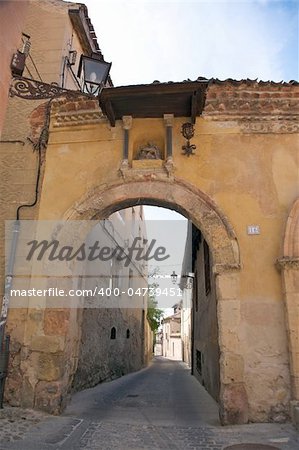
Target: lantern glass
94	73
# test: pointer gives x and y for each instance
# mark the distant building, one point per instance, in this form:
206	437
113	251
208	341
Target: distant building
171	336
186	285
158	350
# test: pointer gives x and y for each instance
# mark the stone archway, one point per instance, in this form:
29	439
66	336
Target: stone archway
204	213
289	265
47	374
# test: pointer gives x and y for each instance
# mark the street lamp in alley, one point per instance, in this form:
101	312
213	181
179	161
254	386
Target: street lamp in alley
174	277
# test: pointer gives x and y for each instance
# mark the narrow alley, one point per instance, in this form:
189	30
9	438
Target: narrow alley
160	407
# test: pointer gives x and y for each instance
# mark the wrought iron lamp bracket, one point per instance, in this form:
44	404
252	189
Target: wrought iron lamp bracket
37	90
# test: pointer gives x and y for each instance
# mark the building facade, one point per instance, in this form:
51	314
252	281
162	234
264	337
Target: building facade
239	187
171	337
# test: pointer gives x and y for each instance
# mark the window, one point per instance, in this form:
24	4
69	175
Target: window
128	333
207	267
113	333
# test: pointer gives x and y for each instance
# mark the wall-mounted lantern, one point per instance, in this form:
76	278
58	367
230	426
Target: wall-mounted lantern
188	280
188	133
93	73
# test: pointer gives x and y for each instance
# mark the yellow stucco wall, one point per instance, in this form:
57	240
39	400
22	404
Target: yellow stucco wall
253	179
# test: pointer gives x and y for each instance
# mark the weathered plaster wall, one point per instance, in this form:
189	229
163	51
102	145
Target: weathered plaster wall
12	19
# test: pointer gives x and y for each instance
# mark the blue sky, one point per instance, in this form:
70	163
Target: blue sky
175	40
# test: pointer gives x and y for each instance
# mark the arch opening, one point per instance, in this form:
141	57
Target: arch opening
219	237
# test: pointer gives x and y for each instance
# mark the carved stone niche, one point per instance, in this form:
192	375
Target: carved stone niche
149	151
148	155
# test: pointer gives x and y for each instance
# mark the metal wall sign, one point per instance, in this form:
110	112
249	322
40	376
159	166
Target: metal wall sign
253	229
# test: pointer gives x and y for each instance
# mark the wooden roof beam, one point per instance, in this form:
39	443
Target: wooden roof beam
110	112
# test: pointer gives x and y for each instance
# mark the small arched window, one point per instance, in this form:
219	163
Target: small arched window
128	333
113	333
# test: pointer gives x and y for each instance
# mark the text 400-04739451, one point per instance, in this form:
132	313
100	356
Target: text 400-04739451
141	292
98	291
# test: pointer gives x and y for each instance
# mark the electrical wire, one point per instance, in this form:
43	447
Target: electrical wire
34	65
29	71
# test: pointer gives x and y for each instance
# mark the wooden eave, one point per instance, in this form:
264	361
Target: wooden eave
184	99
81	27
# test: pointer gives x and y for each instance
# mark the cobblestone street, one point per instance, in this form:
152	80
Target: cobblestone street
161	407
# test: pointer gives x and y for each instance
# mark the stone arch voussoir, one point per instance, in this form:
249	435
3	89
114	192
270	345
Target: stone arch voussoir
102	201
289	264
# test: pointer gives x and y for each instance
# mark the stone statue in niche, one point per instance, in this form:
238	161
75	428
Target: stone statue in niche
149	151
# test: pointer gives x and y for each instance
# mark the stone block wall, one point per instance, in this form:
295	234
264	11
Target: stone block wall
102	358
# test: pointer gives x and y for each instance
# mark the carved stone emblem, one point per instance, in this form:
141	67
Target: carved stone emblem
149	151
